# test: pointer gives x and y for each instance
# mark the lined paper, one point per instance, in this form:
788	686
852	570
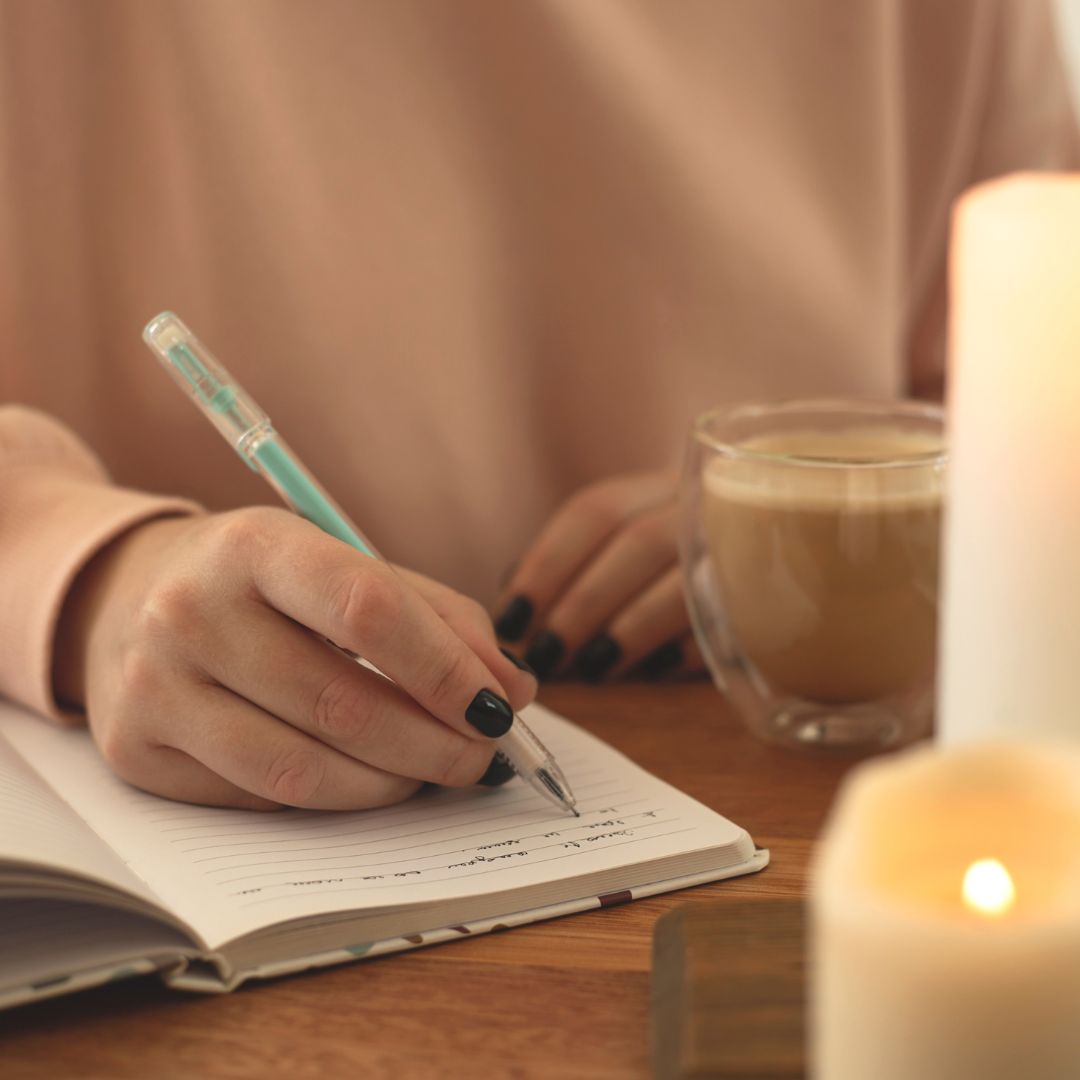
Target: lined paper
39	828
227	873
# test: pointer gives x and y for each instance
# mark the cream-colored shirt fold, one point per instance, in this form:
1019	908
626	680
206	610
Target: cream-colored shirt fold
469	256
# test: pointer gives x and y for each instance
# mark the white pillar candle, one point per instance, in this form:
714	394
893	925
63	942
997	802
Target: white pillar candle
910	980
1010	641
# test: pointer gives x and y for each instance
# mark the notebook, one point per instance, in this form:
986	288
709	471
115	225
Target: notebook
100	881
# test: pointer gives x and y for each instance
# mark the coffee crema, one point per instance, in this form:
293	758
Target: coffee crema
825	546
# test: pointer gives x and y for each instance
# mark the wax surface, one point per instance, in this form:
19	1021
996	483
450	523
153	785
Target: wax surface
1010	655
909	980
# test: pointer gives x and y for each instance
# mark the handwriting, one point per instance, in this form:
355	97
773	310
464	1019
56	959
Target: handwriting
295	884
609	827
476	860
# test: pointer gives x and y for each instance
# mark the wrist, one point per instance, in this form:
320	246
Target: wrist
97	583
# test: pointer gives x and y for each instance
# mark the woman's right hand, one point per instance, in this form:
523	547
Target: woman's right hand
198	648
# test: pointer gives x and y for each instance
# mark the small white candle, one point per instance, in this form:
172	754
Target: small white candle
1010	641
946	918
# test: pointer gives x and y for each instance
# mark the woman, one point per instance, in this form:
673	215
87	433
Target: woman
475	260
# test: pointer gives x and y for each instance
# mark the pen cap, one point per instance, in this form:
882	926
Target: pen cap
197	372
246	427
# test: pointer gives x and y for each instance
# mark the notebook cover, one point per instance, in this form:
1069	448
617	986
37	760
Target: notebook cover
206	975
209	978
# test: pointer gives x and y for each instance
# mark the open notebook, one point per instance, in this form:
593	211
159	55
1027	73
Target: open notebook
99	881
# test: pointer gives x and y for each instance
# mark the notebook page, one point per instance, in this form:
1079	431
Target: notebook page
228	873
38	827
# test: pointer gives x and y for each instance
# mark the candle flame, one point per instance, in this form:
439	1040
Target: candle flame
988	888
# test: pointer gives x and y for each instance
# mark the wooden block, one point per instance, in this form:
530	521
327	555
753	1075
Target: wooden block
728	991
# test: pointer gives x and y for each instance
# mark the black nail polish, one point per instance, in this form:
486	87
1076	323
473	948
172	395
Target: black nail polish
498	772
544	654
489	714
515	618
518	662
660	661
597	658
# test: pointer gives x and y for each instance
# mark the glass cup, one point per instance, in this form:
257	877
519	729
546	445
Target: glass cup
810	539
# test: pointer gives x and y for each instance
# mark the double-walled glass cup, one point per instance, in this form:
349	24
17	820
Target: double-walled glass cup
810	541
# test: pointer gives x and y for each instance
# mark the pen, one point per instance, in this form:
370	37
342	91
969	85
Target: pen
249	432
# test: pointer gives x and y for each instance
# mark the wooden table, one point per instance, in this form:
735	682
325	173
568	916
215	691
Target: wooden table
563	998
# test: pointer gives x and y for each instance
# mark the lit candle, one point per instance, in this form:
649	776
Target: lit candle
946	918
1010	642
988	888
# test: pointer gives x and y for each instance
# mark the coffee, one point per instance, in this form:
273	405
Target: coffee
825	548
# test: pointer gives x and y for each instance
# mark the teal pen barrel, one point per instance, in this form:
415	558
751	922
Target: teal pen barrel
303	493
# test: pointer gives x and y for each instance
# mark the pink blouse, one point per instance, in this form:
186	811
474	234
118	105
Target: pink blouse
469	256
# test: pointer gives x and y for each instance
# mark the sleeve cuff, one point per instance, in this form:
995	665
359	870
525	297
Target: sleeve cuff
53	525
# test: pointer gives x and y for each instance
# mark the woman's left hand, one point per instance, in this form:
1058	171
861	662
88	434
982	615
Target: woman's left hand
599	593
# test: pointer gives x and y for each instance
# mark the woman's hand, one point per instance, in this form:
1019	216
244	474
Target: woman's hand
600	591
197	646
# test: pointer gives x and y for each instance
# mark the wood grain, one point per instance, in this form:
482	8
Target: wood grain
728	991
568	998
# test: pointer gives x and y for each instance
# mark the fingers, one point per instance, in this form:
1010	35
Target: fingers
172	774
297	678
472	624
613	589
654	619
667	659
568	543
364	606
255	752
202	743
601	589
647	639
210	677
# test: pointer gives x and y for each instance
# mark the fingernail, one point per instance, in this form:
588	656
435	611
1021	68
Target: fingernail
518	662
514	620
597	658
544	654
489	714
498	772
661	661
